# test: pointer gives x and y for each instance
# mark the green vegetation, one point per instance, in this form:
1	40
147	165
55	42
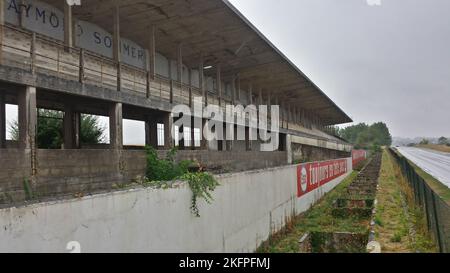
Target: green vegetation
165	169
442	190
367	137
29	195
318	219
397	214
161	172
50	129
436	147
443	141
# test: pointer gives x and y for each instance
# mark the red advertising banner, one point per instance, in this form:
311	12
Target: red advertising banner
358	156
312	176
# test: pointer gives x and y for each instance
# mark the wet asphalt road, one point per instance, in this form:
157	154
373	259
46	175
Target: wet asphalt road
437	164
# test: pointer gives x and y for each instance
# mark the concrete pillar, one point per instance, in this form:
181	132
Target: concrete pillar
68	25
180	64
238	88
2	22
116	44
167	120
72	122
289	149
192	133
219	83
248	142
2	121
151	133
233	90
116	126
203	141
27	118
201	80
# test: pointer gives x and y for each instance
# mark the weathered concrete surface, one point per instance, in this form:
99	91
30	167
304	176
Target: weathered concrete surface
247	207
85	171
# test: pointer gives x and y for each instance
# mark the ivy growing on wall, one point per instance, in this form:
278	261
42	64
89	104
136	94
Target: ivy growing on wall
161	172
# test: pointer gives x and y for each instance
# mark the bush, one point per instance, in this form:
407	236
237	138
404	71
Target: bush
164	169
161	171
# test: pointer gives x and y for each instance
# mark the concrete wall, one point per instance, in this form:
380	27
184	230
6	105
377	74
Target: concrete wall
68	172
247	207
303	153
15	167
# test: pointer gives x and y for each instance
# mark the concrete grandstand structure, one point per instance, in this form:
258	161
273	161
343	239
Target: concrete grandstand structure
135	60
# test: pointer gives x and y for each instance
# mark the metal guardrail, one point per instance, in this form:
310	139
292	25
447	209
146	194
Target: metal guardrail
437	211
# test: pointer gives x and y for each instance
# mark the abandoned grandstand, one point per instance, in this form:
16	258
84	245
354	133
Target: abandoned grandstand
135	60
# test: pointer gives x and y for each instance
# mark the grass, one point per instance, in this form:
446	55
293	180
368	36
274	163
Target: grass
436	147
318	218
442	190
397	214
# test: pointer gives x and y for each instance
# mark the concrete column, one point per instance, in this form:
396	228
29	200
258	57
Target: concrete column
2	22
152	52
167	120
250	94
27	118
72	121
68	28
180	64
151	133
248	142
219	83
192	133
116	126
289	149
238	88
233	90
116	44
2	120
203	141
201	80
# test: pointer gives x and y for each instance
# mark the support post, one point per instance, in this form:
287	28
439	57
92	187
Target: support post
219	83
151	132
168	127
180	65
81	68
233	90
33	53
68	25
250	94
238	88
192	132
201	81
151	60
71	121
116	44
116	126
2	23
2	120
190	88
27	118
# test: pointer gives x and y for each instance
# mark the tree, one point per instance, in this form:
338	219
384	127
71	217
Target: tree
50	129
424	142
443	141
364	136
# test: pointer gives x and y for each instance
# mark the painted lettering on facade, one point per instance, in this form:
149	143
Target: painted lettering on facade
49	21
312	176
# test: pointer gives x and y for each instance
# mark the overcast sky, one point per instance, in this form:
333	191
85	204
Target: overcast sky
378	63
